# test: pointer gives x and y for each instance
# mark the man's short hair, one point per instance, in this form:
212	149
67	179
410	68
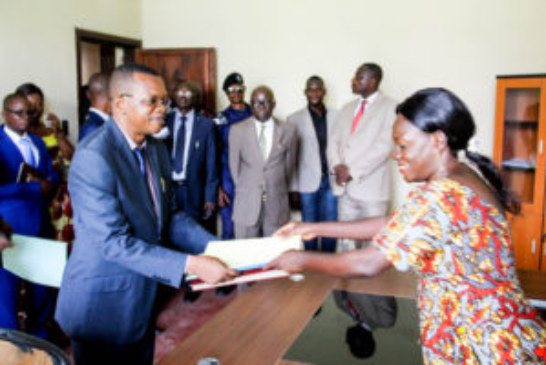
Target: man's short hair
374	69
8	99
125	72
98	82
314	78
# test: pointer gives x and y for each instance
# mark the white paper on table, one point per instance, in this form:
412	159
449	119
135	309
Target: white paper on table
37	260
247	254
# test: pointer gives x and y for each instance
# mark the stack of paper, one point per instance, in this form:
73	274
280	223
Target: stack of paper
37	260
247	256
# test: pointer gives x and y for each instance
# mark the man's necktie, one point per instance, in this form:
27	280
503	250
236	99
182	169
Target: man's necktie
262	142
29	156
358	115
146	172
179	145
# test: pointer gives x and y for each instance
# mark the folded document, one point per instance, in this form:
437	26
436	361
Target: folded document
248	256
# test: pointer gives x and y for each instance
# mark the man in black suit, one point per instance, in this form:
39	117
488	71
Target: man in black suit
99	111
192	146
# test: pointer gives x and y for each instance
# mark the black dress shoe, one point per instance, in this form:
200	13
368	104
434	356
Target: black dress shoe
191	296
360	341
224	291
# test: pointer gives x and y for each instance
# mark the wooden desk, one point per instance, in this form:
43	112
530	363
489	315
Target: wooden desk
259	326
391	282
404	284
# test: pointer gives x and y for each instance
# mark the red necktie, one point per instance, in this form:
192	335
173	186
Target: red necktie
358	115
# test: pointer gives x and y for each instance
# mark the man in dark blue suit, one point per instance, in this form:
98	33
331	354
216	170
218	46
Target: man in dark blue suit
23	204
127	229
98	113
192	145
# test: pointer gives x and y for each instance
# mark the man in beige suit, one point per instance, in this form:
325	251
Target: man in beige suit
360	148
262	154
359	152
313	125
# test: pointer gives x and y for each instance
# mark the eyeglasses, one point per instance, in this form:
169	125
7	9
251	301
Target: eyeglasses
257	102
20	113
152	102
184	93
233	90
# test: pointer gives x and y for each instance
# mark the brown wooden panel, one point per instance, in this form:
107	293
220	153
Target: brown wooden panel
192	64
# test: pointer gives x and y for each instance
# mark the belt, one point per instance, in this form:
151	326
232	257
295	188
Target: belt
180	182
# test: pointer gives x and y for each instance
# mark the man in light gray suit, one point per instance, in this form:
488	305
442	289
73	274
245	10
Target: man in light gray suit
127	228
262	154
313	125
360	148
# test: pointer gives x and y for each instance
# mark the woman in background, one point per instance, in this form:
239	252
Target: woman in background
453	232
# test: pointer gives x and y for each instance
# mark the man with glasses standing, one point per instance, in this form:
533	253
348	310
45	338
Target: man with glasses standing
130	237
262	154
27	179
192	145
236	112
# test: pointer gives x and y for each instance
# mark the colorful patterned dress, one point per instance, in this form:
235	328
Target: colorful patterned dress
472	309
61	206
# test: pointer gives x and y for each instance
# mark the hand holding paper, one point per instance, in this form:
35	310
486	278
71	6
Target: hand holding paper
36	259
248	257
211	270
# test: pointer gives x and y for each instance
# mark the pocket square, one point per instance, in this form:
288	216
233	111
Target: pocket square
196	145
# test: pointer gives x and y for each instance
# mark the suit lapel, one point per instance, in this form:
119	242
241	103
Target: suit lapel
156	174
195	138
311	131
276	141
11	149
130	165
255	145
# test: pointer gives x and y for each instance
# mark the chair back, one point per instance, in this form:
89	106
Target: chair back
18	348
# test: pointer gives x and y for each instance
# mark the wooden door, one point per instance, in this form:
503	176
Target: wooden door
519	142
192	64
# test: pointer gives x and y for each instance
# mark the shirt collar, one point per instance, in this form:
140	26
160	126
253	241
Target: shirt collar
188	116
14	136
370	99
267	124
102	114
132	144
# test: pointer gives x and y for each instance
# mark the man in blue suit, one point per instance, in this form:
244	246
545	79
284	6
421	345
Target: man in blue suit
23	204
192	145
98	113
127	229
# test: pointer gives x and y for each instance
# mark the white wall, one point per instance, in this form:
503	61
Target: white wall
37	38
461	45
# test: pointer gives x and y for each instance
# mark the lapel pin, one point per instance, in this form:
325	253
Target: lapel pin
162	182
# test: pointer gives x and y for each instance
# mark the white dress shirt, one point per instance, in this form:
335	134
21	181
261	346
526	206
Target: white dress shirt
17	139
369	101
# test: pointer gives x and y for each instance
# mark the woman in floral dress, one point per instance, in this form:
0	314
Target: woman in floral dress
452	231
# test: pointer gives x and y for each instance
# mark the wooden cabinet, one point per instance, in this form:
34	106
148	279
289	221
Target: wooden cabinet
520	133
